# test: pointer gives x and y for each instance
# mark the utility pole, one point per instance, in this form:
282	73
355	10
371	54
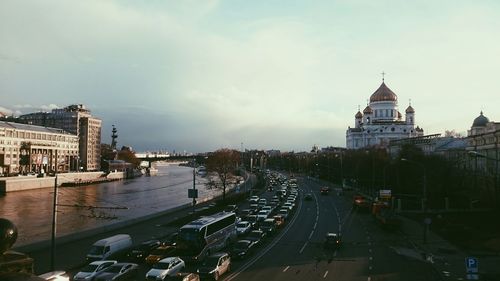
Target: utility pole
54	221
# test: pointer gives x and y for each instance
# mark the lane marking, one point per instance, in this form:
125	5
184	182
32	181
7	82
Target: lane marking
310	235
369	278
370	250
371	258
326	273
303	247
370	267
286	268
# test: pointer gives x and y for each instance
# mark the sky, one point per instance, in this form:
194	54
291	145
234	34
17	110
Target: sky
198	75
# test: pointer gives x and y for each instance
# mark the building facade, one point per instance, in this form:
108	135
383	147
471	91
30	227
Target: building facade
75	119
34	149
483	143
381	122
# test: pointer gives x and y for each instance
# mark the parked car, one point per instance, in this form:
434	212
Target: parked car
118	271
141	251
55	276
242	248
92	269
243	227
215	265
262	215
171	239
166	267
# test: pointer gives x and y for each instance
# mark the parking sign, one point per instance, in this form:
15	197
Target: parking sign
471	267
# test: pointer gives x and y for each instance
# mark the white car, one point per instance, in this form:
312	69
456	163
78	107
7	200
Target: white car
55	276
166	267
262	215
243	227
91	270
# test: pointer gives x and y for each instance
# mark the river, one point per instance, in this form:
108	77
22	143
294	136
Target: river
85	207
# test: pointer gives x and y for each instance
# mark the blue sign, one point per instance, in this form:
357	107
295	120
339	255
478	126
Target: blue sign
471	265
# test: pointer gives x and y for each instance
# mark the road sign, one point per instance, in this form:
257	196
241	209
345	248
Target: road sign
192	193
472	268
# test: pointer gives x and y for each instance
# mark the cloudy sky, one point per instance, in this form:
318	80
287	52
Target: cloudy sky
198	75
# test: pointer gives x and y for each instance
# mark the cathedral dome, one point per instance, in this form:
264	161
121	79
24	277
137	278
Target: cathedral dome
383	93
358	115
410	109
368	110
480	121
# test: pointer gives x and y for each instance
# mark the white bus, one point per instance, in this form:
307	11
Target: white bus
206	235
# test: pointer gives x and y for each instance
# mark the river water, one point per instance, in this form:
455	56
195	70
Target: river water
86	207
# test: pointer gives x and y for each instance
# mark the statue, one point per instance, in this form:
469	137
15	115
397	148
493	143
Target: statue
13	265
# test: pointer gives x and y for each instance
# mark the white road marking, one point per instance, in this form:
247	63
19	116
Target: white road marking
286	268
369	278
335	253
326	273
303	247
371	258
311	235
370	267
370	250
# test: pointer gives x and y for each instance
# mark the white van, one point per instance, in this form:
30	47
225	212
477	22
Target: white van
111	246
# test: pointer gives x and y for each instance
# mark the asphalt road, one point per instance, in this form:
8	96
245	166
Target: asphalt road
366	253
295	252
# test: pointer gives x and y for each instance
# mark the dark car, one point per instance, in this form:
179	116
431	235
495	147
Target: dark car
140	252
308	197
184	276
118	271
242	248
332	240
256	236
171	239
215	265
325	190
231	208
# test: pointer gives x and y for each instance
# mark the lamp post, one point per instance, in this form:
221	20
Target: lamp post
424	194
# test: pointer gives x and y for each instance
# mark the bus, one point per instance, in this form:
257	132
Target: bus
206	235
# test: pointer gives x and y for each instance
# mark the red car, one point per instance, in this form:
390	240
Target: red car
325	190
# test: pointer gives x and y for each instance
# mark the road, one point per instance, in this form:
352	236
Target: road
365	254
294	253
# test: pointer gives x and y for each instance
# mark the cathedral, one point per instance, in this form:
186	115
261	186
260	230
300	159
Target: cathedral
382	122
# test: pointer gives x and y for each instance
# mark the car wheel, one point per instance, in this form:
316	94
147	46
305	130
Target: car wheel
216	275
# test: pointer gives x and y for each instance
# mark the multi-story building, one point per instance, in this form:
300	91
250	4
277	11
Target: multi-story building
483	143
381	122
35	149
75	119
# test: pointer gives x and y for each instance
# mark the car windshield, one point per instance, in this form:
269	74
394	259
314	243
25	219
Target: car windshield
96	250
211	261
242	225
113	269
161	265
89	268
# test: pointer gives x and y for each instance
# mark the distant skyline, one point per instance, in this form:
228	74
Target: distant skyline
200	75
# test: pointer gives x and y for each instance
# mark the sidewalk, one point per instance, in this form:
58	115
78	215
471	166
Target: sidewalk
447	260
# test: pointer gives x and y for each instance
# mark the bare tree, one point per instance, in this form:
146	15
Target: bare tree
223	163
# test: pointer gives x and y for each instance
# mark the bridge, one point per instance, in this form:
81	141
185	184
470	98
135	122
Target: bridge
200	159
